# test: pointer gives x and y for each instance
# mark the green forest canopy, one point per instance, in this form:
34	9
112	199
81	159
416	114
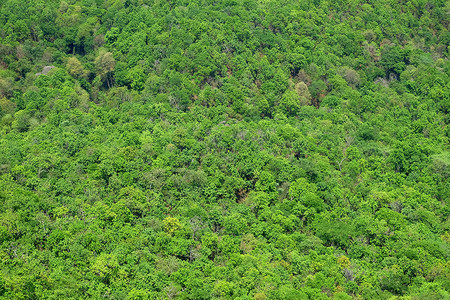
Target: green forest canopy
234	149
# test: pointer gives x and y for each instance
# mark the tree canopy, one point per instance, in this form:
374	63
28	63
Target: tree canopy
234	149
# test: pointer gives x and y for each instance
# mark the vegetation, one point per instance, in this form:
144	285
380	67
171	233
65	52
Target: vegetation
234	149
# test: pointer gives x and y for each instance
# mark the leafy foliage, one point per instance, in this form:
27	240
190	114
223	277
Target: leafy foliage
224	150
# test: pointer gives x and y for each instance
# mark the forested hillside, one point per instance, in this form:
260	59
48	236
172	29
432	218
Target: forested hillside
227	149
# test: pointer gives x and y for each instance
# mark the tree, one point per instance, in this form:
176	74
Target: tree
305	193
6	86
392	60
75	68
171	225
104	65
302	91
290	103
318	90
105	266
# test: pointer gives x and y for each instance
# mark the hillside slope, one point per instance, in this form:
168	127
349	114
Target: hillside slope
224	149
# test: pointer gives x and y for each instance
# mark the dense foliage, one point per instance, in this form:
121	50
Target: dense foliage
233	149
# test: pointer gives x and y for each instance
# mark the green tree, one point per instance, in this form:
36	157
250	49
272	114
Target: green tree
75	68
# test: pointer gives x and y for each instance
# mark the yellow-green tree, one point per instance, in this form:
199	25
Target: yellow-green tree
104	66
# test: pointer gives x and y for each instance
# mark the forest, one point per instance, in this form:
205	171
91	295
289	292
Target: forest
224	149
